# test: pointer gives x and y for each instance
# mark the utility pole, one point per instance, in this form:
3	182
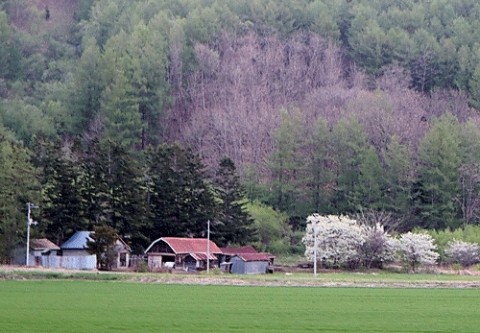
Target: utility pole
30	221
314	224
208	246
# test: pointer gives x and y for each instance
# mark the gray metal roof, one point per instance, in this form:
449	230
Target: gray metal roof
42	244
78	241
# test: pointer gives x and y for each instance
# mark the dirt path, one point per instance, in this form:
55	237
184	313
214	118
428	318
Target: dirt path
276	280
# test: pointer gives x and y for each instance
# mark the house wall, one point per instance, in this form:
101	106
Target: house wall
123	260
34	258
154	261
190	264
250	267
256	267
238	265
73	253
70	262
158	260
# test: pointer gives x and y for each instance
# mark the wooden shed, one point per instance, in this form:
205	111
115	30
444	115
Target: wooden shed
186	253
250	263
76	249
40	250
248	253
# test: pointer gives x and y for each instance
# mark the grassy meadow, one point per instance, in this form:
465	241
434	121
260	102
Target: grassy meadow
106	306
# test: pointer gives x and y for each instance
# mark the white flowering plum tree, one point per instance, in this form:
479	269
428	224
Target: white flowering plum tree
338	240
416	249
464	253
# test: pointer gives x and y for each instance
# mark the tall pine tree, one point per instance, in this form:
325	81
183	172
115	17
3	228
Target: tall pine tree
61	202
180	201
235	224
126	194
18	179
440	160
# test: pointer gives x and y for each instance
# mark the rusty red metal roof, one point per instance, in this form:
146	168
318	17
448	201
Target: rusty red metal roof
268	254
202	256
238	250
254	257
187	245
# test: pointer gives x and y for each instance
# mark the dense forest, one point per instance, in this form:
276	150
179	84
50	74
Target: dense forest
154	116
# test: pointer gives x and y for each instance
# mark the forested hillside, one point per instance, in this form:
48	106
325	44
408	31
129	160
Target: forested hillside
153	116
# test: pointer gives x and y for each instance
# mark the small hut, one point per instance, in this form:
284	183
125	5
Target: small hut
40	250
250	263
76	248
247	254
187	253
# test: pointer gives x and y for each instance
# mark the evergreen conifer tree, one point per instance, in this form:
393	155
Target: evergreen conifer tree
440	158
18	185
61	201
235	224
180	202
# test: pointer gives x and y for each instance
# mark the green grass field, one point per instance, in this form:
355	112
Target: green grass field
95	306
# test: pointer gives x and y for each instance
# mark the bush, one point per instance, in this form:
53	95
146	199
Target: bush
342	242
416	249
338	240
279	246
142	267
463	253
469	233
378	247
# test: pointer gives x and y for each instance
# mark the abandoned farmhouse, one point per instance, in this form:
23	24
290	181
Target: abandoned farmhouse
166	253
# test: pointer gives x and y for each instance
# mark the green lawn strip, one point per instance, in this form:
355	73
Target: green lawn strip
98	306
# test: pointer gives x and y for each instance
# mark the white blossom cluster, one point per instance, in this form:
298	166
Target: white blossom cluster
342	242
463	253
417	249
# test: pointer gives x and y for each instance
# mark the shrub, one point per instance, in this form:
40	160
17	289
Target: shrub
142	267
279	246
338	240
378	247
463	253
469	233
456	268
416	249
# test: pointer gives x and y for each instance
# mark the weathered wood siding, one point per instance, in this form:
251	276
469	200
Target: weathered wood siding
70	262
248	267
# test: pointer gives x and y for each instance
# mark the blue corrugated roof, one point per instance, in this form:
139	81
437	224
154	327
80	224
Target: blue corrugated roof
78	241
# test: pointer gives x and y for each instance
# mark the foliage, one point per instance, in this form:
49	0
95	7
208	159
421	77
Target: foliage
61	205
416	249
10	59
287	162
378	108
350	143
235	223
338	240
18	179
468	233
398	179
440	159
378	247
343	242
142	267
271	226
180	202
463	253
102	246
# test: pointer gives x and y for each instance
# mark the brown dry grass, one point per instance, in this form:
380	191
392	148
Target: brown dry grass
438	279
